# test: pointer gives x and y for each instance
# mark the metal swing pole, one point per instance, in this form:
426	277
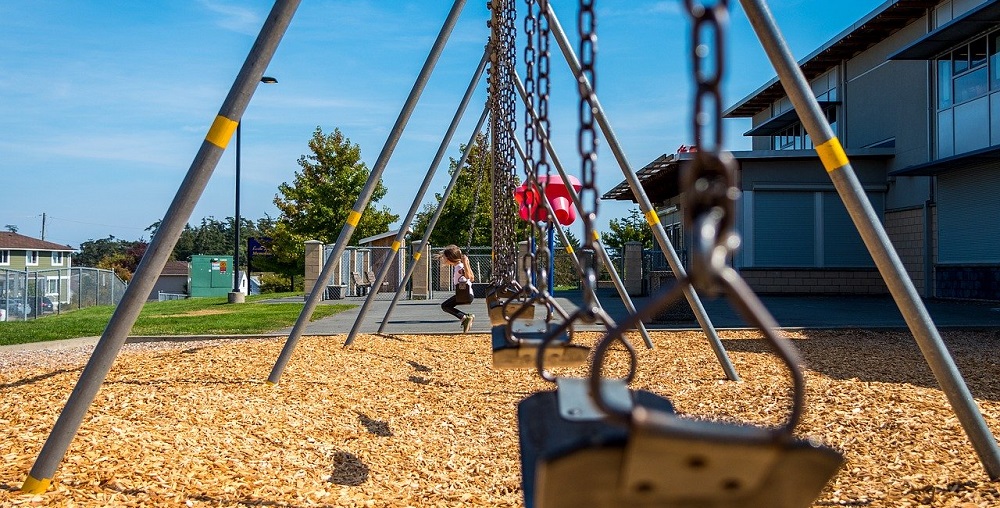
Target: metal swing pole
359	207
575	197
640	194
832	155
400	236
160	247
437	215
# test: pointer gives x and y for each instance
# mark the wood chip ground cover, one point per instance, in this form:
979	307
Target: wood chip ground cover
411	420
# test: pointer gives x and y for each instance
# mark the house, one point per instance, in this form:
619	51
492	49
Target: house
173	280
48	264
912	91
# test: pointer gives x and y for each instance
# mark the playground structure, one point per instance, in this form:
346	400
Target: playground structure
642	423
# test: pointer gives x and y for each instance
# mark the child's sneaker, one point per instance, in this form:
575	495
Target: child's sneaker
467	322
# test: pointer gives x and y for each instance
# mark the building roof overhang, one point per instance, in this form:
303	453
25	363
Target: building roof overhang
660	179
968	25
778	123
985	157
873	28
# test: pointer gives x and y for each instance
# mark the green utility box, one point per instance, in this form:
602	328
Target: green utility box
210	275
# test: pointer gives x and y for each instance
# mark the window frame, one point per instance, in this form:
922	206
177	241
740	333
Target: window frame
31	258
4	257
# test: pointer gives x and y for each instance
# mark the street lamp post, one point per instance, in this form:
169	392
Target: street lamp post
237	296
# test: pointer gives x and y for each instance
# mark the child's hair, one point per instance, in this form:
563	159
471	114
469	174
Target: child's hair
452	253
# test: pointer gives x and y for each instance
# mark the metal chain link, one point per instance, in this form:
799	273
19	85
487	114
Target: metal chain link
587	142
530	197
710	179
502	125
544	255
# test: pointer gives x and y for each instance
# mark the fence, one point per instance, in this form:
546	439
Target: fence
33	294
354	274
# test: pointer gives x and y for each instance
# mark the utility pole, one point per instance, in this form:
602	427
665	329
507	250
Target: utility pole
43	225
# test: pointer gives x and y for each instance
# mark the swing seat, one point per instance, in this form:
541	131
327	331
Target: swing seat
662	460
521	353
546	433
495	308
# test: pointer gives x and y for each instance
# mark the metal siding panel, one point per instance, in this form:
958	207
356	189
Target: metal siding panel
783	229
843	246
968	207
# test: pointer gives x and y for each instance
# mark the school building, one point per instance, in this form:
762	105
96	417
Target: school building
912	90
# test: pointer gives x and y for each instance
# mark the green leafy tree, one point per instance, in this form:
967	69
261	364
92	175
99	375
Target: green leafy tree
628	229
93	252
469	207
316	205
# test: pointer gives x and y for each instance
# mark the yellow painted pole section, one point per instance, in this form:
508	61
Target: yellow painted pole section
221	131
652	218
35	486
416	256
832	155
569	249
395	246
354	218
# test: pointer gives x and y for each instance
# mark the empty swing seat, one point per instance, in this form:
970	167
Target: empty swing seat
661	460
522	350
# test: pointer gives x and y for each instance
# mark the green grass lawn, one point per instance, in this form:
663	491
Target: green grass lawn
193	316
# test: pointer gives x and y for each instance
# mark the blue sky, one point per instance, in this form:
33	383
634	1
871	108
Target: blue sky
104	104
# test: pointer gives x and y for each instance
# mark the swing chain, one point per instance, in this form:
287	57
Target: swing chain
710	178
503	125
587	142
530	197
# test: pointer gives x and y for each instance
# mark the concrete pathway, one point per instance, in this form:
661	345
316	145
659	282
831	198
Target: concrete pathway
426	316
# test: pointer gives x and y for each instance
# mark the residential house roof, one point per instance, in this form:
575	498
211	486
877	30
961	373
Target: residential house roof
14	241
175	268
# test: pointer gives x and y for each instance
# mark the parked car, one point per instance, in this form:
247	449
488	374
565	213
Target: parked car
15	309
41	305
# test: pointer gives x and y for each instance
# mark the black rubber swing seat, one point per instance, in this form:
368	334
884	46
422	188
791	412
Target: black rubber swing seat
521	352
661	460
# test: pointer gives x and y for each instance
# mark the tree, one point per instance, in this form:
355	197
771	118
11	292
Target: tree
316	205
92	252
469	206
629	229
110	253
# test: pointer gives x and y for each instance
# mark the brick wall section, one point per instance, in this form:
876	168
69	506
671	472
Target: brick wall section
815	281
906	232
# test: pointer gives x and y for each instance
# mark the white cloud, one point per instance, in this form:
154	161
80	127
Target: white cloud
236	18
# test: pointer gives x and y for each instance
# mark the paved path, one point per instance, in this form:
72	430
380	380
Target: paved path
426	316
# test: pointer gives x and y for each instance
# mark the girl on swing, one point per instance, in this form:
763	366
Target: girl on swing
462	276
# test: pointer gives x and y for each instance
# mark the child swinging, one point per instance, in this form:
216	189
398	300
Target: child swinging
462	277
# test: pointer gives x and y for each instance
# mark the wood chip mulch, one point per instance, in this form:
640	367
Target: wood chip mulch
412	420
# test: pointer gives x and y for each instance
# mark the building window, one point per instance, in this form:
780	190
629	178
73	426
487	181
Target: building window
965	77
31	257
57	259
52	286
5	257
794	137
